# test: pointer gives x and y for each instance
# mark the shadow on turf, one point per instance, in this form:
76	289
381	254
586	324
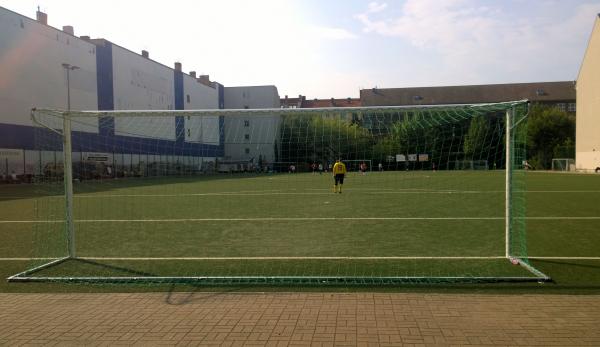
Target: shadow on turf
37	190
567	263
113	267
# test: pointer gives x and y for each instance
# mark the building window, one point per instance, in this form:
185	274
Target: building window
189	133
188	98
572	107
247	136
561	107
247	150
22	24
246	123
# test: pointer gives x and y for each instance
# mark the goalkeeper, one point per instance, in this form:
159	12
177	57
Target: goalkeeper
339	170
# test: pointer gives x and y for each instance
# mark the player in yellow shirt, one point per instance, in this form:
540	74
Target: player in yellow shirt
339	170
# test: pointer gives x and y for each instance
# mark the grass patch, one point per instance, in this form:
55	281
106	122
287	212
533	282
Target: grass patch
450	214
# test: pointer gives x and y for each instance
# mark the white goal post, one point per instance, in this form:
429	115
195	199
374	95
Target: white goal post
282	138
563	164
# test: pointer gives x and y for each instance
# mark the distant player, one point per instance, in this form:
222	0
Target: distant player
320	168
363	168
339	170
313	167
380	166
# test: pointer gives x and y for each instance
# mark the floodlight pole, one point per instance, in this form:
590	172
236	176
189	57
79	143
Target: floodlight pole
508	184
67	165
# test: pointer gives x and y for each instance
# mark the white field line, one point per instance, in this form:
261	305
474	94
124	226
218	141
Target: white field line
25	259
294	258
327	192
276	219
485	191
318	192
180	220
304	258
565	258
323	192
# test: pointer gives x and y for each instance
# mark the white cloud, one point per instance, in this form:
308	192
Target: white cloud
433	23
375	7
471	40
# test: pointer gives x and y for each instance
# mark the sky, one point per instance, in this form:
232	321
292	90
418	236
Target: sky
334	48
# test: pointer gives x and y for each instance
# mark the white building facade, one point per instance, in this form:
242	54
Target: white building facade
32	75
251	138
587	138
109	77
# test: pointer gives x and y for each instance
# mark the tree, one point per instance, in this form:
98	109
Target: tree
565	150
485	139
548	129
306	139
416	136
477	138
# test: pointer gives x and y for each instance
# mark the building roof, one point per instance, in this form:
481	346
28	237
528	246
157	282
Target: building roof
271	86
349	102
303	102
538	92
31	20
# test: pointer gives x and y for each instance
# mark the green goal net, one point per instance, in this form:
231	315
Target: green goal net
221	197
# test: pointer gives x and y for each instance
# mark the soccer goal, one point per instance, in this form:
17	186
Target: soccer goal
354	165
563	164
471	165
143	196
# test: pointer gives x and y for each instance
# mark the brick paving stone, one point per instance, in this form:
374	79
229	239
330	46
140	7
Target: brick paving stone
298	319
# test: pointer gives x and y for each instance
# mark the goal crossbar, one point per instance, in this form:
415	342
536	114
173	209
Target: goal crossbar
434	115
277	111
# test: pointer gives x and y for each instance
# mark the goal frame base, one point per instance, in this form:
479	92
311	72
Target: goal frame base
25	277
515	112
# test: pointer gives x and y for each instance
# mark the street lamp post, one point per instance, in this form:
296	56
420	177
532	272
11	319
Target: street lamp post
67	165
69	68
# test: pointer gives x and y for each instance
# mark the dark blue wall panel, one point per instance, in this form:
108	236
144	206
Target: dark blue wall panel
17	136
179	120
104	80
221	92
34	138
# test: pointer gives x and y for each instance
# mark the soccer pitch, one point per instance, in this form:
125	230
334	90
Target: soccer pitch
383	224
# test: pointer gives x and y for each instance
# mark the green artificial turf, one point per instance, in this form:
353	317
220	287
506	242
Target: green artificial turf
390	214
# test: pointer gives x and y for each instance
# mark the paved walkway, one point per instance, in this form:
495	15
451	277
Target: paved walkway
298	319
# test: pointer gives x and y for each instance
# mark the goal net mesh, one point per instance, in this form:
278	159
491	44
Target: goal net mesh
563	164
231	197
